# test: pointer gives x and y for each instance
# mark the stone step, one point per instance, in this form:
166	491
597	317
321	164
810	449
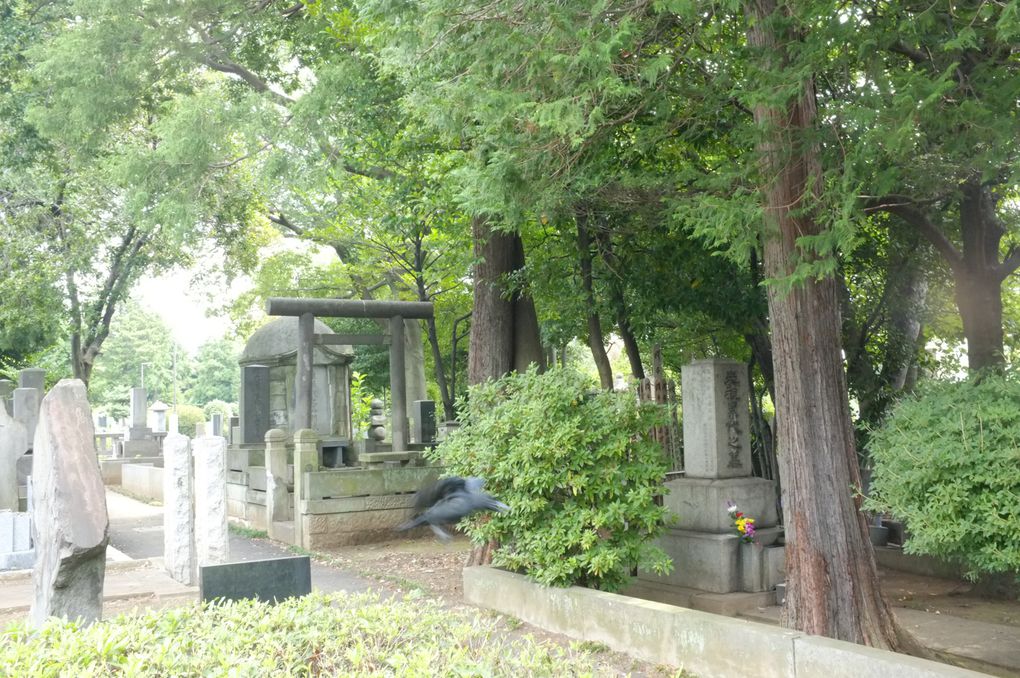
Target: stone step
729	604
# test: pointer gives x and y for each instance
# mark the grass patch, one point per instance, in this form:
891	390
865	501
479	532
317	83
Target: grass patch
249	532
318	635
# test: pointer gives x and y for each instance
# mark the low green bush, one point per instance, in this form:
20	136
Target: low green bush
318	635
187	417
578	470
947	462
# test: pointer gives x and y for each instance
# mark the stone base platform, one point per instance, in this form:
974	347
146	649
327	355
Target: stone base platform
700	503
717	562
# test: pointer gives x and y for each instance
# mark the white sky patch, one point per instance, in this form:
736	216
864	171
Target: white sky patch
185	312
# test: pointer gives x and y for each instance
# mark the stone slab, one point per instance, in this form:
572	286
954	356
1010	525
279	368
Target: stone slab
717	420
265	580
211	536
700	503
817	656
26	409
140	447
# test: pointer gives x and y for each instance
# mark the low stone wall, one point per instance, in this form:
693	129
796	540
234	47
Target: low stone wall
111	468
703	643
143	480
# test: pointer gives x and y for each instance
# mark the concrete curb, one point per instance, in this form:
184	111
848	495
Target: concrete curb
704	643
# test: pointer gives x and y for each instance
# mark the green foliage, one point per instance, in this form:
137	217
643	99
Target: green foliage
224	408
216	375
361	398
947	462
187	417
577	469
137	337
316	635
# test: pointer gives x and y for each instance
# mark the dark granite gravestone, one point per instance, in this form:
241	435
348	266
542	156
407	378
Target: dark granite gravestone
423	421
254	420
264	580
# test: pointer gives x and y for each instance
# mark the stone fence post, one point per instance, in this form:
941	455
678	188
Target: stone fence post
211	536
277	505
306	459
178	520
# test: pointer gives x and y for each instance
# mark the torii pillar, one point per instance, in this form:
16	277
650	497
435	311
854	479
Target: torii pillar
307	309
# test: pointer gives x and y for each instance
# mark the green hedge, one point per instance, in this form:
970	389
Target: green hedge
577	468
318	635
947	463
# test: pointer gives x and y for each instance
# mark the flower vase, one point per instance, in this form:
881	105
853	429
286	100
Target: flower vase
752	567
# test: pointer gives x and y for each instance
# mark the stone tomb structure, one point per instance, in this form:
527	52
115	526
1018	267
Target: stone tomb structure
708	554
293	468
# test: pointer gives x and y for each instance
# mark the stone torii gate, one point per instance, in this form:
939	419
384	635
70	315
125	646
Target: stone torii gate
307	309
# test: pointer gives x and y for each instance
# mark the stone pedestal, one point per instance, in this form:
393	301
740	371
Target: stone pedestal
709	561
700	503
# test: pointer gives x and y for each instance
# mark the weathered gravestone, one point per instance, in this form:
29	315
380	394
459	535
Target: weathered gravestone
6	393
264	580
70	522
707	552
13	444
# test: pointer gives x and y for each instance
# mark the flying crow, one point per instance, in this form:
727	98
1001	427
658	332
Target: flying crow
447	501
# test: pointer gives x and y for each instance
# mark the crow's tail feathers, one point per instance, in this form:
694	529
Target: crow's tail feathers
403	527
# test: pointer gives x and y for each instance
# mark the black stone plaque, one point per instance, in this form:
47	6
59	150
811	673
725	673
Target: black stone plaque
265	580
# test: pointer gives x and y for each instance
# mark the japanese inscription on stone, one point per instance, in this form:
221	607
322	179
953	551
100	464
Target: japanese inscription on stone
733	432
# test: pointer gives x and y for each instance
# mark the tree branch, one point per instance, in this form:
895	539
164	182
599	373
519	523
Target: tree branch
906	209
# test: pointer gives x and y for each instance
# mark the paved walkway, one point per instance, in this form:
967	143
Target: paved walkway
134	566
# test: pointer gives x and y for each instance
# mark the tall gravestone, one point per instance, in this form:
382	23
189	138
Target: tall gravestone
70	522
26	409
178	516
423	421
707	551
254	404
211	536
140	441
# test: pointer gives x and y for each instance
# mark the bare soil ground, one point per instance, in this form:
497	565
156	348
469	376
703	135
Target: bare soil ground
435	568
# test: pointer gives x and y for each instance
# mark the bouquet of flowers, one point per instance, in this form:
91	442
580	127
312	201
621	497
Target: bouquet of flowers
744	524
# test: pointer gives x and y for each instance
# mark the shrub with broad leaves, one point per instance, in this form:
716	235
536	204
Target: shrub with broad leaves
947	462
577	467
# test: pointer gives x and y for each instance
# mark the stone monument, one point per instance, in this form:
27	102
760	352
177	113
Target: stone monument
708	553
178	513
70	523
139	441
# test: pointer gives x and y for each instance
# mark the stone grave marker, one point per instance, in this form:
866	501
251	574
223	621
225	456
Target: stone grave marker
70	523
265	580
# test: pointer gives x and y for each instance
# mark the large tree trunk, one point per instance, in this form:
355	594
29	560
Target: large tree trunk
832	579
978	282
595	336
504	328
491	345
